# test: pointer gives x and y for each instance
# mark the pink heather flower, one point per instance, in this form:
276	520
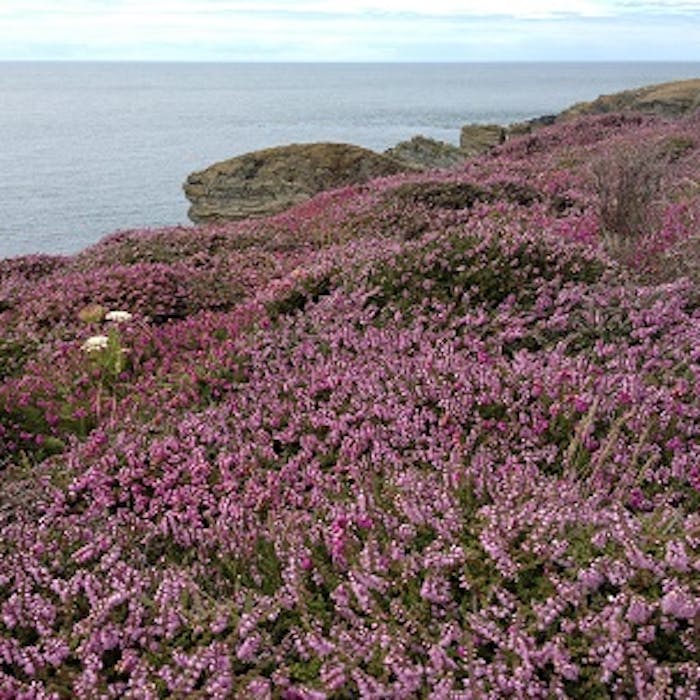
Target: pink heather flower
541	426
591	579
624	398
675	443
219	624
694	477
483	357
337	538
638	612
638	500
581	404
184	457
249	648
259	689
364	522
554	410
680	604
435	590
333	675
677	557
646	634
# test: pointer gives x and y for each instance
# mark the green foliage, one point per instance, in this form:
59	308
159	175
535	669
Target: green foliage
646	583
532	582
286	622
14	355
675	147
162	550
375	666
111	360
310	290
267	565
587	686
45	440
260	571
580	548
319	604
213	382
668	647
305	671
492	411
424	536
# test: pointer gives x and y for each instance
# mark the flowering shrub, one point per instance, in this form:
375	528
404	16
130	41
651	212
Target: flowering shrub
460	463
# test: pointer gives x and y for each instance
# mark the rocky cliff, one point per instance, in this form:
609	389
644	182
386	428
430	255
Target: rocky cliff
673	99
427	154
269	181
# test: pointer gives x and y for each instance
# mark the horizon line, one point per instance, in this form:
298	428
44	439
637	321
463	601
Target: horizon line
347	62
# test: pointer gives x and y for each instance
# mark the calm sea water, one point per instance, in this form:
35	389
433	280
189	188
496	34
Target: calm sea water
89	148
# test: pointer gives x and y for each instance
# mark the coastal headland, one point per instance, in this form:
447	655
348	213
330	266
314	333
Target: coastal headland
268	181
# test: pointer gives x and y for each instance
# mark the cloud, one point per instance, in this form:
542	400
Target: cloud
540	9
434	8
665	7
344	30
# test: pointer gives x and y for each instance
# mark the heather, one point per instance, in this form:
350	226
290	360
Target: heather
435	436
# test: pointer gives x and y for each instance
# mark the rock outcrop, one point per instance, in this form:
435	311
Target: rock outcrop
269	181
672	99
476	139
527	127
426	154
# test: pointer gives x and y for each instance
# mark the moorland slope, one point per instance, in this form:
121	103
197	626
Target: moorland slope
436	435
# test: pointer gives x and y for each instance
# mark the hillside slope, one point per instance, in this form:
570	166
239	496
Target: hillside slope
672	99
434	436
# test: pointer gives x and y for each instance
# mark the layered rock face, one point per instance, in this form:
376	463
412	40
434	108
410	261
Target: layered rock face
668	99
269	181
425	154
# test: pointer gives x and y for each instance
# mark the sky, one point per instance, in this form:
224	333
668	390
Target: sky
350	30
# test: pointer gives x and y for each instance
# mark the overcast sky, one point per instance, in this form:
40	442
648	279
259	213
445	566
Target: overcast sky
350	30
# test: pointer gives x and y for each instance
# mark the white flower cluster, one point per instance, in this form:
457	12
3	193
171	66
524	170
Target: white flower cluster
118	316
95	343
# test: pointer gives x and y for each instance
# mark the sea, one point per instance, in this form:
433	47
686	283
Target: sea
87	149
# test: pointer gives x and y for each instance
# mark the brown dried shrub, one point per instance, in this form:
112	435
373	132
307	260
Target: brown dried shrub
628	183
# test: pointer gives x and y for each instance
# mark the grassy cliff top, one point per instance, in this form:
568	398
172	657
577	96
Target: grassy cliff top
670	99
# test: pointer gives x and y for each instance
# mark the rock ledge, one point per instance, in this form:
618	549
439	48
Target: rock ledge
269	181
